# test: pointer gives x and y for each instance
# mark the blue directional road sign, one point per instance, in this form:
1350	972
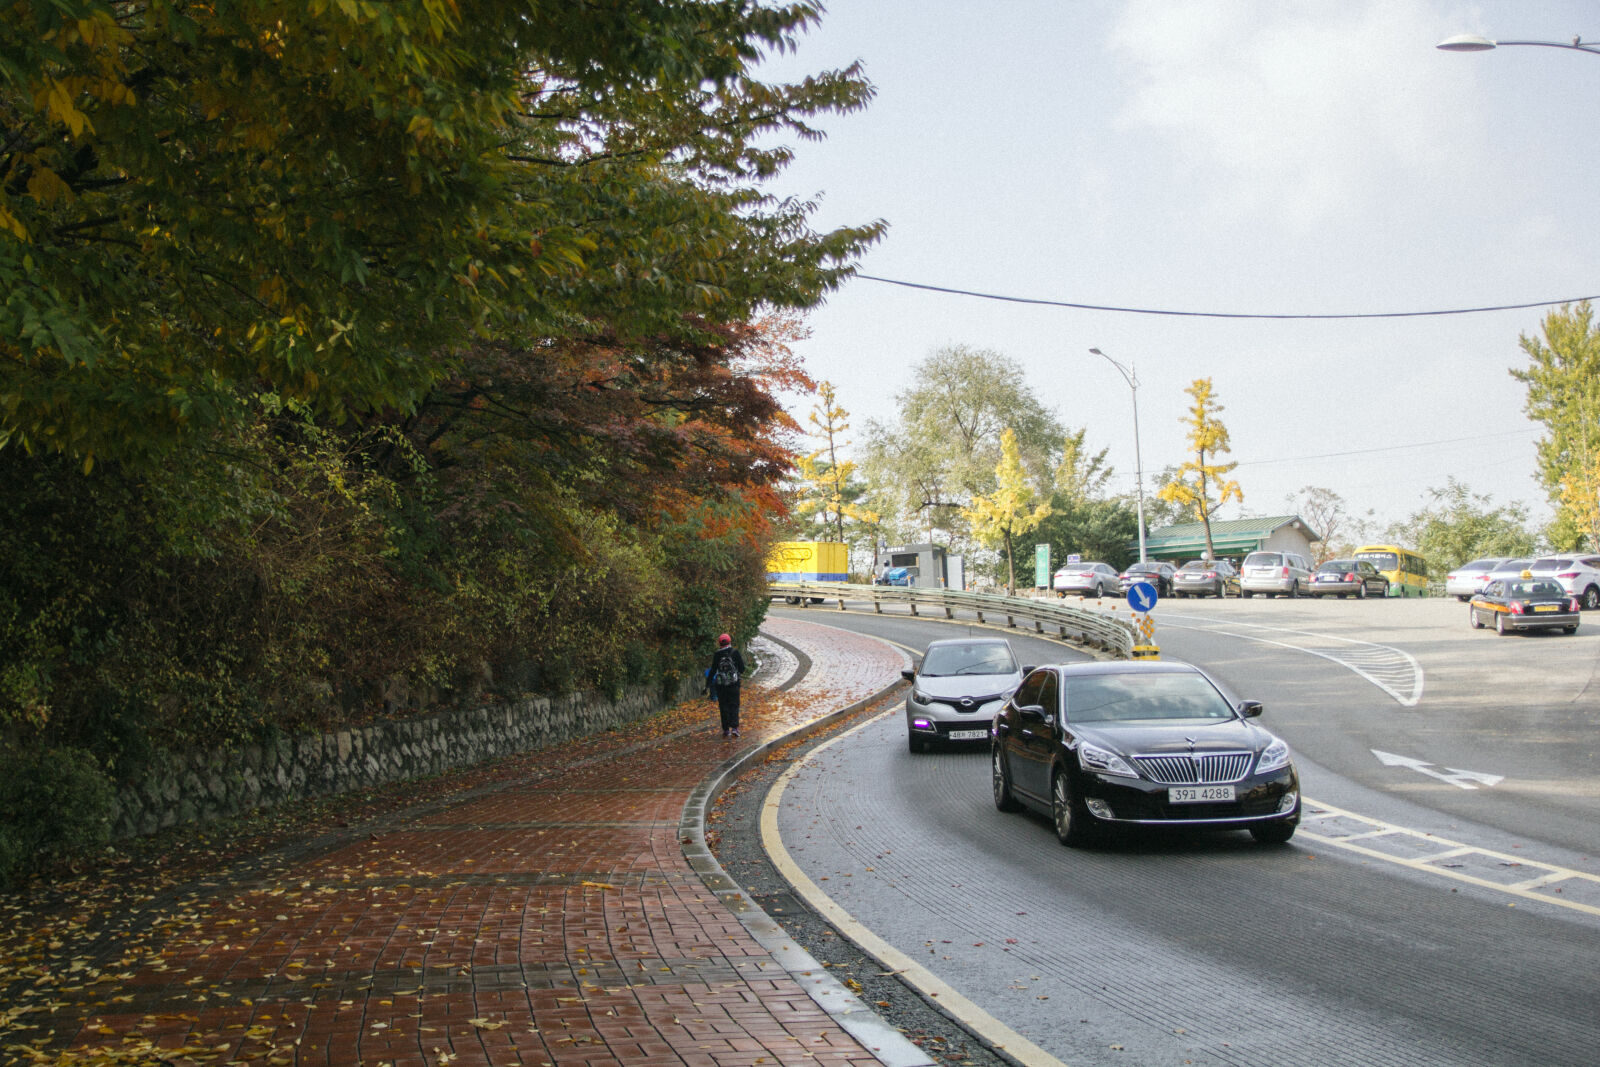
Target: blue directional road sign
1142	596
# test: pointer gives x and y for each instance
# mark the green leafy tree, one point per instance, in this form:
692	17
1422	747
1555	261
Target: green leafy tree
1202	484
329	201
944	447
1460	525
1008	513
1563	383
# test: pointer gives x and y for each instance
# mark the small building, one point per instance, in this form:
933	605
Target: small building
927	564
1232	538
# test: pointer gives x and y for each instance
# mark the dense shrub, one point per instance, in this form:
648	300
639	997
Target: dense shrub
54	803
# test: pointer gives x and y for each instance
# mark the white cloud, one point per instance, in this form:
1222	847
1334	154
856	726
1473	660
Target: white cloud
1305	111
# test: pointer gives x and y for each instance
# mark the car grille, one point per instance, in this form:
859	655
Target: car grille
1210	769
966	703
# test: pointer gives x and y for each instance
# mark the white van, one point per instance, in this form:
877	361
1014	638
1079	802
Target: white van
1272	573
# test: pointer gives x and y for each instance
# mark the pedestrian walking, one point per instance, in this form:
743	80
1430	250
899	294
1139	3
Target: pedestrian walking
727	667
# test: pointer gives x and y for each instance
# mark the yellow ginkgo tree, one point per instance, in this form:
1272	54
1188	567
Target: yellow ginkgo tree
1202	484
1009	512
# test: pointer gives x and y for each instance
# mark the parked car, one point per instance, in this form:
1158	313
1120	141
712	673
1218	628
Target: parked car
1511	568
1348	577
1272	573
1157	572
1105	746
1206	577
1086	579
1578	574
1510	604
1470	578
957	688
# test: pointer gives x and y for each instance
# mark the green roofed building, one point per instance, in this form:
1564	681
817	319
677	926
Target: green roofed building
1233	538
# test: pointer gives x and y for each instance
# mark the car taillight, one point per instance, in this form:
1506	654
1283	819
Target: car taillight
1350	577
1516	607
1568	575
1286	572
1574	607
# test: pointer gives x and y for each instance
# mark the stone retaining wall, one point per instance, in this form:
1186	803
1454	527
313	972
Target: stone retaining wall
200	786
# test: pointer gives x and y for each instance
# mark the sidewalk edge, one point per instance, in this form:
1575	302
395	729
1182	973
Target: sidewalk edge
886	1043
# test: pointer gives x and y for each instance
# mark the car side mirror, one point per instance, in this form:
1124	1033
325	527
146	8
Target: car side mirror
1031	711
1250	708
909	675
1029	669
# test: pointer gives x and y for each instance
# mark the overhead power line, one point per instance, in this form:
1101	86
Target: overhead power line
1388	448
1218	314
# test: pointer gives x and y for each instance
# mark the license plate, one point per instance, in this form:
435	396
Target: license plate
1546	607
1199	794
967	735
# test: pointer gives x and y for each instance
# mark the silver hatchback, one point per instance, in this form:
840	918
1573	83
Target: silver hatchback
957	688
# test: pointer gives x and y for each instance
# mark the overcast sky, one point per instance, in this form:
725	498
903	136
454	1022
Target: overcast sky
1226	156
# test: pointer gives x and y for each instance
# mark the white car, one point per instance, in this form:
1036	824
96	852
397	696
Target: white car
1578	574
957	688
1087	579
1271	573
1467	580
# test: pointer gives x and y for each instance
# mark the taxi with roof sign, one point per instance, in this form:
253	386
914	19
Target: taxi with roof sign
1524	603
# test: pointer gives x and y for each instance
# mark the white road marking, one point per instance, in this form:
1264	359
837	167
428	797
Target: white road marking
1393	670
1459	778
1440	850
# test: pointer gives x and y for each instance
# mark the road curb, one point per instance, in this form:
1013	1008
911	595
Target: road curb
886	1043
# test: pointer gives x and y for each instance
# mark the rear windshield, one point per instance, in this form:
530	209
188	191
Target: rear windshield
1550	563
1338	565
1540	588
985	657
1481	564
1264	559
1198	565
1128	697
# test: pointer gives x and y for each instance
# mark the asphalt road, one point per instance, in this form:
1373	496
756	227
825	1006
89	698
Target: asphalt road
1444	910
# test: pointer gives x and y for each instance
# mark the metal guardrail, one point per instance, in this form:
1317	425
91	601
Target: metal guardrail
1084	626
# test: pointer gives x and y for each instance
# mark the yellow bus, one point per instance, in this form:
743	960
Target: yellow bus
1406	570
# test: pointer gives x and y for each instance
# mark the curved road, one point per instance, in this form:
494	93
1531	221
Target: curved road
1441	904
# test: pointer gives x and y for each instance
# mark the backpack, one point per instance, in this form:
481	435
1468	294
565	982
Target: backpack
727	673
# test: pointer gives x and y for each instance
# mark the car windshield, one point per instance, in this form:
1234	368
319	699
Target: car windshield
988	657
1534	589
1134	697
1263	559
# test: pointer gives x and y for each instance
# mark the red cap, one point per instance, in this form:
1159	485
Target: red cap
724	640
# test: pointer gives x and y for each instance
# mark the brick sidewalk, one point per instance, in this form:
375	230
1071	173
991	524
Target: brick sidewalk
546	917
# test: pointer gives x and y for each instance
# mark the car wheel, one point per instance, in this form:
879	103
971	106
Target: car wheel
1591	598
1274	833
1001	783
1500	623
1473	620
1070	819
1246	594
1294	591
916	744
1569	629
1221	591
1361	591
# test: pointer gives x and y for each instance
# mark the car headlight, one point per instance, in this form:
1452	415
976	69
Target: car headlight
1103	761
1274	757
918	696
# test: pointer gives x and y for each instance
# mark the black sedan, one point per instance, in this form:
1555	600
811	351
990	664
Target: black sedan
1524	604
1157	574
1101	746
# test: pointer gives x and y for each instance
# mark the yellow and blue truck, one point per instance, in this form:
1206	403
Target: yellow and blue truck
808	561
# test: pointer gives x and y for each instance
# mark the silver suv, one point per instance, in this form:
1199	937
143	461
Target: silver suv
1578	574
1272	573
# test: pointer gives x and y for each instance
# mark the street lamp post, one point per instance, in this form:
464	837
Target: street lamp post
1467	42
1131	376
